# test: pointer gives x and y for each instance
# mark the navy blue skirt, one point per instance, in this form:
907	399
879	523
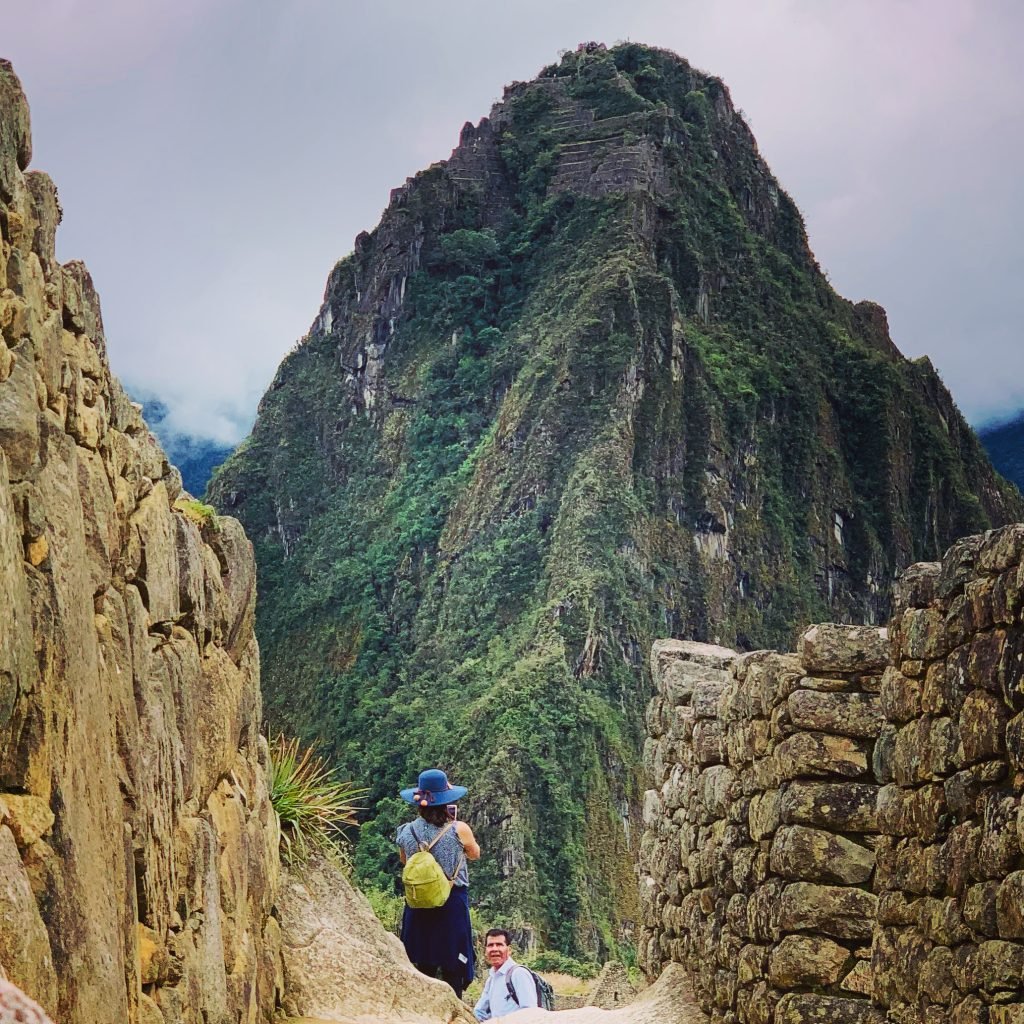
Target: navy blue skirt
435	938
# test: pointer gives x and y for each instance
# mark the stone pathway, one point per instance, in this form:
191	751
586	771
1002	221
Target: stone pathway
667	1001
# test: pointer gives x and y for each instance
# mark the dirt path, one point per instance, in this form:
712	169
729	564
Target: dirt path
667	1001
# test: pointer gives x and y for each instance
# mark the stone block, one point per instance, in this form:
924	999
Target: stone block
706	696
1015	742
984	657
1000	965
941	921
843	913
1002	549
935	981
805	1008
964	788
827	648
895	910
959	565
847	714
924	634
883	754
999	848
1006	1013
925	749
808	854
916	586
678	665
1010	907
979	908
708	742
900	696
982	725
763	815
752	964
970	1010
839	806
817	754
1010	673
800	961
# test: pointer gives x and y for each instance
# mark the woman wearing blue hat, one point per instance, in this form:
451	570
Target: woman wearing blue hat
439	940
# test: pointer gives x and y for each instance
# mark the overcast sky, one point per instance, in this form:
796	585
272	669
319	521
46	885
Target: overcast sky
215	158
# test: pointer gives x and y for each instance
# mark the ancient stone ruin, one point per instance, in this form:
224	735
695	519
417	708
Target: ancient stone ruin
837	834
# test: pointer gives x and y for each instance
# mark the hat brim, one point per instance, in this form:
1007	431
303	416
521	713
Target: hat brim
449	796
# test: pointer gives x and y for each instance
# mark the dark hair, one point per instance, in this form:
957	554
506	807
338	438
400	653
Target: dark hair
435	815
499	931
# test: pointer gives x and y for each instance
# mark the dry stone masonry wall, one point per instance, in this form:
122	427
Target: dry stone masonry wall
138	848
950	938
837	834
758	854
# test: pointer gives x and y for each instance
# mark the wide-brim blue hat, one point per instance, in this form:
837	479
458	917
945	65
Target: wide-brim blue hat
433	790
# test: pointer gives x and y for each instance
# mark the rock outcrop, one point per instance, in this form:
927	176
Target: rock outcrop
138	848
341	965
837	834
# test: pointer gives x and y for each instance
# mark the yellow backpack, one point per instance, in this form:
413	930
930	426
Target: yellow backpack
426	884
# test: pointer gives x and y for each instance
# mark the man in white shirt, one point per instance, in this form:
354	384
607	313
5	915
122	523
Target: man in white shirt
496	1000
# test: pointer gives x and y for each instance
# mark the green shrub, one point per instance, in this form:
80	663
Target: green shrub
560	963
312	805
388	906
201	514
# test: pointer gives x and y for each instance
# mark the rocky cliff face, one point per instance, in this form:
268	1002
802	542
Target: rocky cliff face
138	849
584	385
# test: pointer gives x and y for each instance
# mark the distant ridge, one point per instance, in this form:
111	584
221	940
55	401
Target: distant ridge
1005	447
195	457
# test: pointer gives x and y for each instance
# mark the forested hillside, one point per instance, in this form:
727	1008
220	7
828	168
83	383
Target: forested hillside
583	386
1005	447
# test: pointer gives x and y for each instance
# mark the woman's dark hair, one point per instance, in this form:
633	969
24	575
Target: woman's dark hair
436	815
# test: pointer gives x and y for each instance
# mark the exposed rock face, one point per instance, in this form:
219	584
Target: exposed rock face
138	848
584	385
340	964
876	867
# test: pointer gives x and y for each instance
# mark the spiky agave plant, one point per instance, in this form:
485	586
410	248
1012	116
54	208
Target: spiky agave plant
312	805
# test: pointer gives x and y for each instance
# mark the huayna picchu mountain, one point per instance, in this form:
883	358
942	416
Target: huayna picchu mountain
583	386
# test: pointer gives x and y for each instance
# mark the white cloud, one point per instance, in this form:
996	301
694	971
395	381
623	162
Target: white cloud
215	158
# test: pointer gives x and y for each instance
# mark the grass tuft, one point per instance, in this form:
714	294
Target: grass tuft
313	806
199	512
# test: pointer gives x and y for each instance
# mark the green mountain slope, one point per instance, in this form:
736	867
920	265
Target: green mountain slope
583	386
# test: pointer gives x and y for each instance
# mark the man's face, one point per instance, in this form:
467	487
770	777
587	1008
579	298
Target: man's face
496	950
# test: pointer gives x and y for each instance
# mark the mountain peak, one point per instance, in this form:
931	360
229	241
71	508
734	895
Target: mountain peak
583	385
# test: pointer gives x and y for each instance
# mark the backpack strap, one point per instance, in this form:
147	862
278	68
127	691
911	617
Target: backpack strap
422	843
511	988
429	847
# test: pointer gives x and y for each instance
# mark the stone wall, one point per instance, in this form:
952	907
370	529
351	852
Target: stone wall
836	835
765	815
138	848
950	938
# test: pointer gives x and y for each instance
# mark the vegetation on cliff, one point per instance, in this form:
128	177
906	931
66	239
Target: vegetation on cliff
583	386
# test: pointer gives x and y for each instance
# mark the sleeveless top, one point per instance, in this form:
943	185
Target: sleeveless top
447	850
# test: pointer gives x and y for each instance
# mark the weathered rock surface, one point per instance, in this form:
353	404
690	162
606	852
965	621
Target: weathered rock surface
341	965
138	848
